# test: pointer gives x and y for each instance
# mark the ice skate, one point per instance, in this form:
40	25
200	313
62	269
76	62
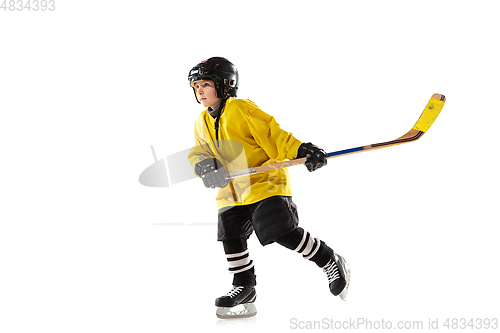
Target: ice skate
339	275
238	303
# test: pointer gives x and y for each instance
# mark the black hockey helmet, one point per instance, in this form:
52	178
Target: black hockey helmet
219	70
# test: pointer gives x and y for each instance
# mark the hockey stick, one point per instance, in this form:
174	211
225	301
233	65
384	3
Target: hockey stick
423	123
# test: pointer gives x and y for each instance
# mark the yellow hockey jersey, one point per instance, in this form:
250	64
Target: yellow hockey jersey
248	137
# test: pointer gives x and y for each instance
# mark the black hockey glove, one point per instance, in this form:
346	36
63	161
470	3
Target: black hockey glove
317	156
212	172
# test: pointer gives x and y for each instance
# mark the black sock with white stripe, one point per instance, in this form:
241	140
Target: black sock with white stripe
240	264
311	248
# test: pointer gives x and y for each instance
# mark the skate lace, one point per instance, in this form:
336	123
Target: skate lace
332	271
235	291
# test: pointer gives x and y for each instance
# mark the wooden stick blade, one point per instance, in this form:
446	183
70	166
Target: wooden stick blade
424	122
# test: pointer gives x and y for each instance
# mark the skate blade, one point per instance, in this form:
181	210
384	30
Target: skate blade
249	310
343	294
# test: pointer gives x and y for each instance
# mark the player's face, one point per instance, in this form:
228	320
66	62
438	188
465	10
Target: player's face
205	92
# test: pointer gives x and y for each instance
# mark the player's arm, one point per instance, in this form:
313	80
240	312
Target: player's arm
280	144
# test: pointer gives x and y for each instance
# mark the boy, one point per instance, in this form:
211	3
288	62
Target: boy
233	132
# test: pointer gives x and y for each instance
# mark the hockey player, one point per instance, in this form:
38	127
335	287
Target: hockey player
227	130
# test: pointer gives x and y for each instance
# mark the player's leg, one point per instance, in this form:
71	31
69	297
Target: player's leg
240	264
275	219
234	228
315	250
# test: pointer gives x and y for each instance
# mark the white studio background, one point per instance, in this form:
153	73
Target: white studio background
87	88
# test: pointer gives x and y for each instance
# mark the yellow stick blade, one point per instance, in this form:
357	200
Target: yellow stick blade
430	113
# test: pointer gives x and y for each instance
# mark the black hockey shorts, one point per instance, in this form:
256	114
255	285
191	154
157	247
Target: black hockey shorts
271	218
